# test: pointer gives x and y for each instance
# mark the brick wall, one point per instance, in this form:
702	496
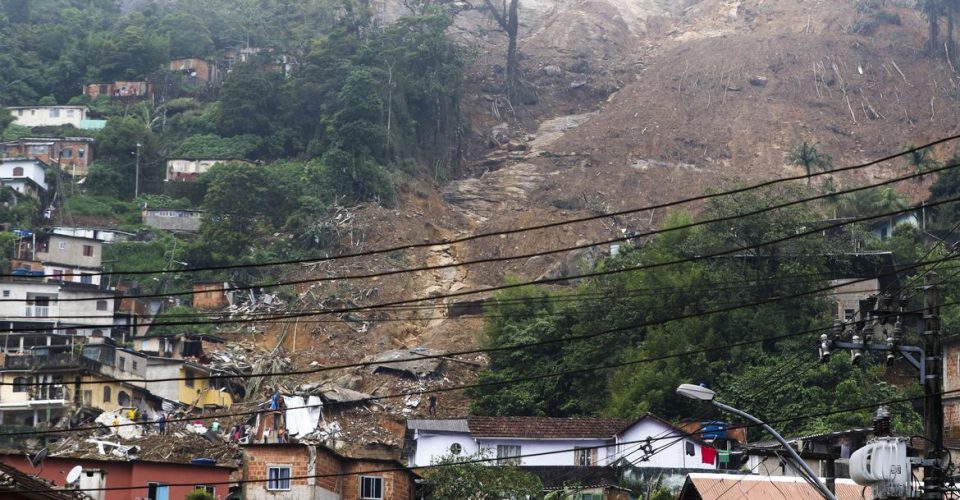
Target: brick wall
332	473
397	485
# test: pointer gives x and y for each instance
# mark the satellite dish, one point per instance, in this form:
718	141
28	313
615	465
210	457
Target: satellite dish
37	460
74	475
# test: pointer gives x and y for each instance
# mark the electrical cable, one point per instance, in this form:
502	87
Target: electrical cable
575	220
483	460
688	315
561	250
541	281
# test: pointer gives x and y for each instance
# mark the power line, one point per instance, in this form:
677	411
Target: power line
547	252
659	206
484	460
606	272
403	394
689	315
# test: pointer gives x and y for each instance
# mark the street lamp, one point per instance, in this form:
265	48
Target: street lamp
701	393
136	182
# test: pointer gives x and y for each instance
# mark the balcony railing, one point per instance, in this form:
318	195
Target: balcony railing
37	311
30	362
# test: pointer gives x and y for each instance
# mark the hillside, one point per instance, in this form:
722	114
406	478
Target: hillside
638	102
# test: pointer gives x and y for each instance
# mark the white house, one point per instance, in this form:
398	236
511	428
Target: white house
49	116
190	169
63	307
543	441
26	176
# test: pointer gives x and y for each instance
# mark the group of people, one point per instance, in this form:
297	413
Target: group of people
141	418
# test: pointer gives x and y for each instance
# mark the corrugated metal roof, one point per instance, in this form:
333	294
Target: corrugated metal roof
749	487
438	424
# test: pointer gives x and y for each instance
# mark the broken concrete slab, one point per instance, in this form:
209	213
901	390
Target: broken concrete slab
407	362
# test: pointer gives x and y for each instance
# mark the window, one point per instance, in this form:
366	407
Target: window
54	112
70	113
157	491
6	293
62	245
86	278
88	250
19	112
123	399
66	153
278	478
18	171
371	487
101	305
508	453
585	457
123	363
188	379
106	394
134	365
20	384
848	314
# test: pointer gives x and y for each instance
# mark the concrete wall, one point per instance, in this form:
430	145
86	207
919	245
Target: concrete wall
173	220
187	169
46	116
558	451
69	250
671	457
431	446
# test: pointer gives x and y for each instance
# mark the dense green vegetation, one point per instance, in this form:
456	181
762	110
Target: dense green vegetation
357	108
620	321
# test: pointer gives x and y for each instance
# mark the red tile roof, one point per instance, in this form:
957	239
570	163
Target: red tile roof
546	427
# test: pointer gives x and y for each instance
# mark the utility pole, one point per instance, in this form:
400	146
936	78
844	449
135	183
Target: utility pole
933	471
879	328
136	184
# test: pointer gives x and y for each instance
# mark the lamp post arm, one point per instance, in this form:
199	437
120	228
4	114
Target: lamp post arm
811	477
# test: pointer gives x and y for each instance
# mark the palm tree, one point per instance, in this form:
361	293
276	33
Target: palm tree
920	161
808	155
871	202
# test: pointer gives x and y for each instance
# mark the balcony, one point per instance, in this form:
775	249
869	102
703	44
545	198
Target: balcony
30	362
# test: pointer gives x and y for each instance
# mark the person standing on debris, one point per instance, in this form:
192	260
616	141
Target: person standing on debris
162	424
116	423
433	405
215	426
132	414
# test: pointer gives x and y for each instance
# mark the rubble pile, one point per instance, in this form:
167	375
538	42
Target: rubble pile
242	359
178	447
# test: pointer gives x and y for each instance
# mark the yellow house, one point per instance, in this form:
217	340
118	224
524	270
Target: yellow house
107	394
200	392
24	402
